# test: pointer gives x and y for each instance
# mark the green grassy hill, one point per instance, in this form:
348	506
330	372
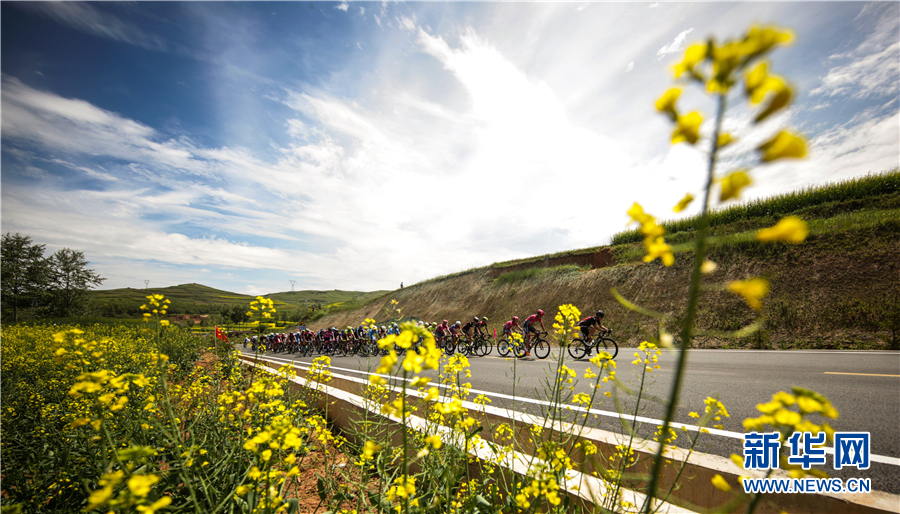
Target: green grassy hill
201	299
839	289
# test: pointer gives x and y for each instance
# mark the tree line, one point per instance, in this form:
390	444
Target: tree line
54	286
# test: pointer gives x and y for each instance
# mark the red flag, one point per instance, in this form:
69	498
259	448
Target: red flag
495	332
221	335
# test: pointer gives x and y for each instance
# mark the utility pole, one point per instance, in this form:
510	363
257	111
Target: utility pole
146	284
292	284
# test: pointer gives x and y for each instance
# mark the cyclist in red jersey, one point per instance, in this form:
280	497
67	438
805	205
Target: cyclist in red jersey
528	328
442	330
511	325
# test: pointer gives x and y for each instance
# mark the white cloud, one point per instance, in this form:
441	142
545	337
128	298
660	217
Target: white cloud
676	45
408	23
874	75
78	127
343	6
85	17
654	5
872	68
362	11
629	67
101	175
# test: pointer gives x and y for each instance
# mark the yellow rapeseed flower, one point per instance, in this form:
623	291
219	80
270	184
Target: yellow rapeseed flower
725	139
658	249
753	290
720	483
682	205
791	229
687	128
692	57
140	485
637	214
732	184
783	146
666	102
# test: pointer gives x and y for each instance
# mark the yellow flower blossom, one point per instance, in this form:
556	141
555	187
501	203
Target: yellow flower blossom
140	485
732	184
687	128
783	146
692	57
790	229
719	483
666	102
658	249
753	290
684	202
435	441
725	139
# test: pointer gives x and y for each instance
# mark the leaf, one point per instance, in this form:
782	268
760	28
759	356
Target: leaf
320	487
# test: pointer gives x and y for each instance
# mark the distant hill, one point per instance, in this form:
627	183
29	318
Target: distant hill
201	299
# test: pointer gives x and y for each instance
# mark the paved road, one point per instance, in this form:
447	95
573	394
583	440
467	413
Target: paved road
863	386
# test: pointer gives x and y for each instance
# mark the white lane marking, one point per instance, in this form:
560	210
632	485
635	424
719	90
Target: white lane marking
894	461
860	374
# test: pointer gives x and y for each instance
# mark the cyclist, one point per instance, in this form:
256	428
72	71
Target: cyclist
528	328
469	325
481	325
455	331
510	326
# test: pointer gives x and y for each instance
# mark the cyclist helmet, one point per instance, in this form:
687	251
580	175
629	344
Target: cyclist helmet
599	314
457	323
382	327
515	318
540	312
445	322
475	319
484	319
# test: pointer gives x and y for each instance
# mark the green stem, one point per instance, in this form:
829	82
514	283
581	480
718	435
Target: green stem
687	327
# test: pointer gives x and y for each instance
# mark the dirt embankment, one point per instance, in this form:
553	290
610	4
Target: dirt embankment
840	291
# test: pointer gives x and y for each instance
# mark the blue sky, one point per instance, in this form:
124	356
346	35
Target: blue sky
357	145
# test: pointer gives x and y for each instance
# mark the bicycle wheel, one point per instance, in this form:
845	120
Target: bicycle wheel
577	348
607	345
541	349
462	346
519	349
503	347
484	347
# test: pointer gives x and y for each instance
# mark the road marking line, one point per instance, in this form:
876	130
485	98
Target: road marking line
860	374
894	461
